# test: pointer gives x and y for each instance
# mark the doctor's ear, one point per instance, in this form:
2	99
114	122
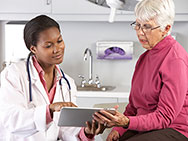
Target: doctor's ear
33	49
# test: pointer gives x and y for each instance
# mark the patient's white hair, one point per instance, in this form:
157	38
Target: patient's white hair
162	11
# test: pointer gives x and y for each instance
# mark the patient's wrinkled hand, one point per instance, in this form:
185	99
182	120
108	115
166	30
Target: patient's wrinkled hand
94	128
111	119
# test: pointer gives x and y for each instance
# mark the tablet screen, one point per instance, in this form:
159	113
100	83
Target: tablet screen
76	116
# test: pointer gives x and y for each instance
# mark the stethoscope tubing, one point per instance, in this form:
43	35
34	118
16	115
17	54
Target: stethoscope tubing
60	83
29	78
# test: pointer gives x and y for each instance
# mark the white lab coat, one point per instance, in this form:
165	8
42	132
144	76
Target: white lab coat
24	120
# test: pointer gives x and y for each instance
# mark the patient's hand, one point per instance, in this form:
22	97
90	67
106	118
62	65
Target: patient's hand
94	128
56	107
111	119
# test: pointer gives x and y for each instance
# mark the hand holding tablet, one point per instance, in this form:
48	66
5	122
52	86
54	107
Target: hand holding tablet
77	116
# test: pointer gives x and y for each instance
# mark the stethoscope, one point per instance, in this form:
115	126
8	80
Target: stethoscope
60	83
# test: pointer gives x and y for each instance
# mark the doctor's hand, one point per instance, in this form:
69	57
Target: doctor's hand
113	136
94	128
56	107
111	119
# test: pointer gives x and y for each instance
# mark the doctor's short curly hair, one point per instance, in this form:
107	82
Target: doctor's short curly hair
35	26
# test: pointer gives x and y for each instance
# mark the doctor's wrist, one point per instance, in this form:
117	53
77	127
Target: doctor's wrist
51	110
89	136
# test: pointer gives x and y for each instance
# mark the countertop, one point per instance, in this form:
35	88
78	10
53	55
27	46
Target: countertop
118	92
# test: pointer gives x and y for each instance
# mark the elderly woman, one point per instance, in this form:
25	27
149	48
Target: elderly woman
158	102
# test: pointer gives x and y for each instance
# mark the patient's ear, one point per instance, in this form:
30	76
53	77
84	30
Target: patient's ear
167	28
33	49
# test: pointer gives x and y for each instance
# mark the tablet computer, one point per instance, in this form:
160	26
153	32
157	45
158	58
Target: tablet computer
77	116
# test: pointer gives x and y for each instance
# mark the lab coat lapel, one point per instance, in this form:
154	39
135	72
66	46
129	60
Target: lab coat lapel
58	96
36	83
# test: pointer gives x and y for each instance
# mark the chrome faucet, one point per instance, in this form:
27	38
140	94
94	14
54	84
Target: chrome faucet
83	82
90	81
97	82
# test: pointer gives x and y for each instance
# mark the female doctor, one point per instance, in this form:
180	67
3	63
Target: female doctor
33	91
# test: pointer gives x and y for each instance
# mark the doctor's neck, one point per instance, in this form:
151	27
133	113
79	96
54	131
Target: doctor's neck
47	68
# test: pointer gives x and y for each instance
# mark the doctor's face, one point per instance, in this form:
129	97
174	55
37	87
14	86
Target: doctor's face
50	47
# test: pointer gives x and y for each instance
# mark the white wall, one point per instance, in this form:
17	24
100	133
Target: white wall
80	35
2	43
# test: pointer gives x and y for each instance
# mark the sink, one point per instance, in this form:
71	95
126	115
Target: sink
94	88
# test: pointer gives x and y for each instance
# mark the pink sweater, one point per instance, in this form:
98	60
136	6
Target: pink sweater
159	92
